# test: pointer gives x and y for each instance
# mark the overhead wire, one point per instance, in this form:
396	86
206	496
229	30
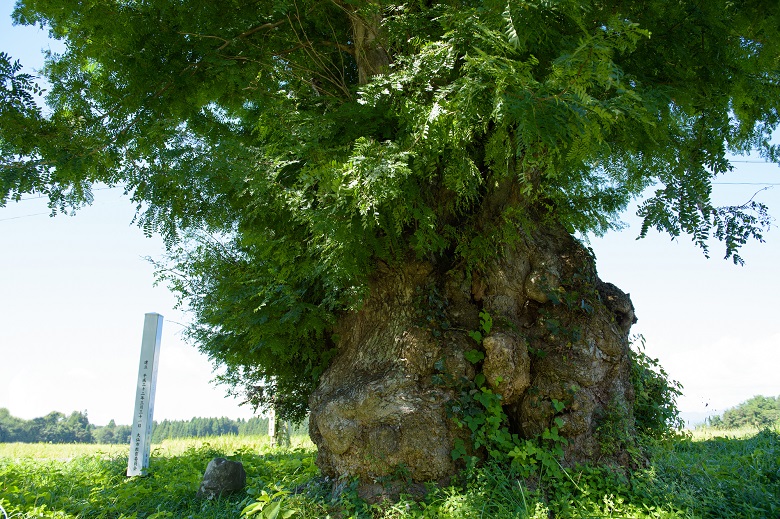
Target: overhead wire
768	184
752	161
42	196
23	216
746	183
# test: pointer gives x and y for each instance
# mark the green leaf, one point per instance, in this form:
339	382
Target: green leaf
272	510
474	356
486	322
253	508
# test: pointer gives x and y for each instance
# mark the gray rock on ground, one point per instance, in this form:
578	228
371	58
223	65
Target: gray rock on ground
222	477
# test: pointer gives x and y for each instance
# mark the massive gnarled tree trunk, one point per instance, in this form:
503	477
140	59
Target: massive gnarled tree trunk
559	333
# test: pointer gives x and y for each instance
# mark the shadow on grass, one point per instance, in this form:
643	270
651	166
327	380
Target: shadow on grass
718	477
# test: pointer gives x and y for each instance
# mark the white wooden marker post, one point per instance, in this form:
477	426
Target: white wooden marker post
141	437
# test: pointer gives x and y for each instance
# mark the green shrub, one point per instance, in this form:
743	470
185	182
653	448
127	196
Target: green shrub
655	406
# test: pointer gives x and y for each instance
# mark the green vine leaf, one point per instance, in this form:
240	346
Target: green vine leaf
474	356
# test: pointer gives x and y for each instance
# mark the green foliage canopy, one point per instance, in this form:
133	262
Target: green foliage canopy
284	147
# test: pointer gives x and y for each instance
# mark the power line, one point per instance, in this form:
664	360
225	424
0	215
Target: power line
746	183
768	184
174	322
42	196
23	216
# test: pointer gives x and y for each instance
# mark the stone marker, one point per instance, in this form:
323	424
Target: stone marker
222	477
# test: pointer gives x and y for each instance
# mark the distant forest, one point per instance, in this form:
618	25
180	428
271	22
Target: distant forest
760	411
56	427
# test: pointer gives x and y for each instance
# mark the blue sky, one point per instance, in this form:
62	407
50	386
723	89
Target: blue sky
75	289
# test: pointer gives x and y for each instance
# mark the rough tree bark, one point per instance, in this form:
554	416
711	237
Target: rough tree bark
559	333
368	48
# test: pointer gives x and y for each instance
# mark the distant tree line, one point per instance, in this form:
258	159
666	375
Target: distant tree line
111	433
200	427
56	427
759	411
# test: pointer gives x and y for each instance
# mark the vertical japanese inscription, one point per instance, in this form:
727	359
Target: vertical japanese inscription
141	438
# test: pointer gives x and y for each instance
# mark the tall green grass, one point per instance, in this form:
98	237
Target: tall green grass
55	481
722	476
703	476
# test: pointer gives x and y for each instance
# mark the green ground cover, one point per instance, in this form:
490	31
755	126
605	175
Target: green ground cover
695	476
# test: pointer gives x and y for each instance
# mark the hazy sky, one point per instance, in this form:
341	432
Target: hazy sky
74	290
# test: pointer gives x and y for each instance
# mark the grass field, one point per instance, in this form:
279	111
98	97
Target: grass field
705	475
167	448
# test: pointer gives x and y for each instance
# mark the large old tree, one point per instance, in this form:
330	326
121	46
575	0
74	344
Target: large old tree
372	206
